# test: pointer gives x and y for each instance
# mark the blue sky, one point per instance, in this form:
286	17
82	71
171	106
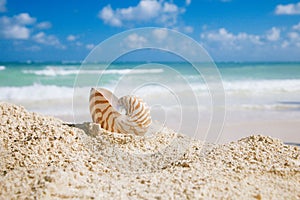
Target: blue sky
230	30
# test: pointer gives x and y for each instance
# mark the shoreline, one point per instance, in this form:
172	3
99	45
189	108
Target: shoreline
287	130
43	158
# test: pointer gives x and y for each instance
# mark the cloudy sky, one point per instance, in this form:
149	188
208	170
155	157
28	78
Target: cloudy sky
230	30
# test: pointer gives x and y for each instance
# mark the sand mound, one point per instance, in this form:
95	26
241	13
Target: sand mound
43	158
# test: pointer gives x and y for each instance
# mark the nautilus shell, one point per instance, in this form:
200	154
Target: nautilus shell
106	110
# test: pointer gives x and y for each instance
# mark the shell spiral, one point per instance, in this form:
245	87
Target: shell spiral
105	109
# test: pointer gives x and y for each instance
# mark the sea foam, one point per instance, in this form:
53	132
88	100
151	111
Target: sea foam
60	71
35	92
261	86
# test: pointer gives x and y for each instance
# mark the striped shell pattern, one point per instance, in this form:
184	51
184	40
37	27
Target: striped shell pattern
106	110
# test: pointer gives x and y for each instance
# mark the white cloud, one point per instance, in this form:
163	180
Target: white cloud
71	37
273	44
222	39
135	41
22	26
108	16
2	5
293	36
169	7
297	27
188	2
160	34
285	44
49	40
273	34
15	32
44	25
188	29
225	37
220	35
16	27
25	19
89	46
79	44
294	39
288	9
155	11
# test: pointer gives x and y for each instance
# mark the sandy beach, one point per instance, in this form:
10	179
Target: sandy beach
43	158
150	99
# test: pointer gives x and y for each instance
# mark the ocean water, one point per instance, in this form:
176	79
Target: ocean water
173	90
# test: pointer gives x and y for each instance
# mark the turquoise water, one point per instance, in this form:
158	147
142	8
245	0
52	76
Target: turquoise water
259	71
247	86
22	74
